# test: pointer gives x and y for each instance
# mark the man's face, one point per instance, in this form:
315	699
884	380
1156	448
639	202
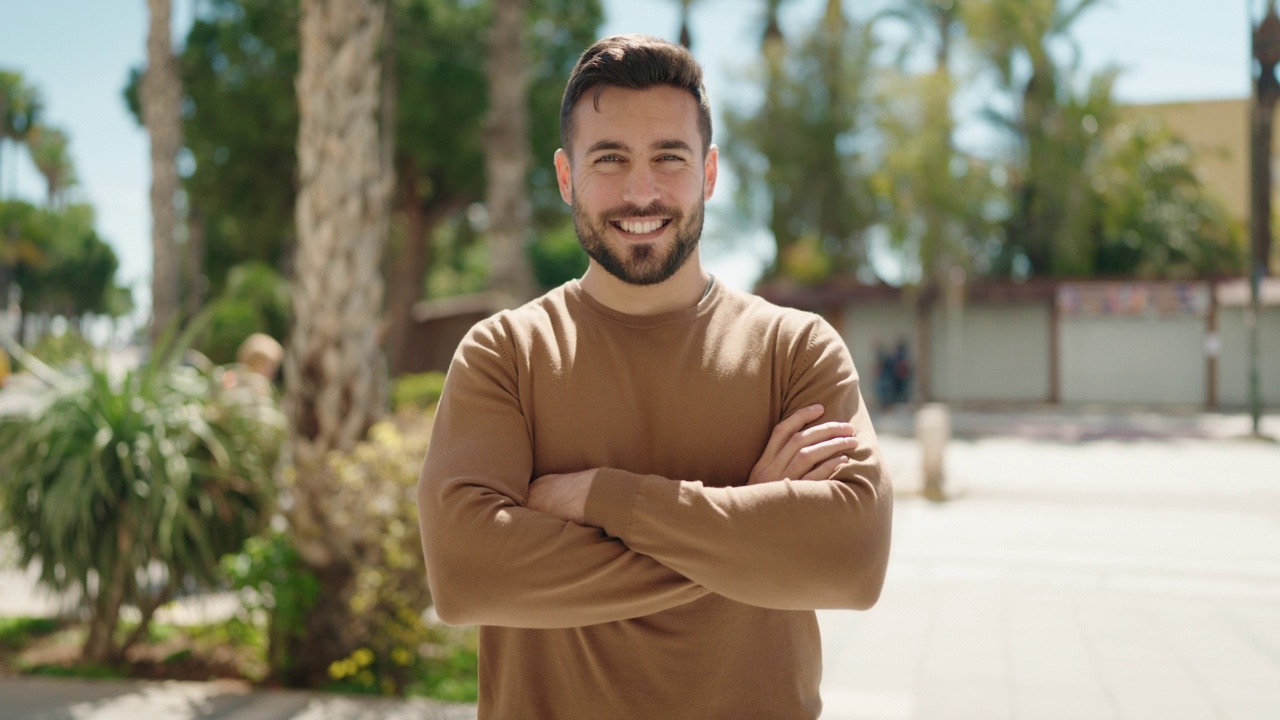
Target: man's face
637	180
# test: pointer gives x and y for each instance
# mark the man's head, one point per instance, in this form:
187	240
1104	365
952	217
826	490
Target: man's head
636	62
637	163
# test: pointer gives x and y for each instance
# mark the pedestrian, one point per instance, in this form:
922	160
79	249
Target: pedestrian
902	372
642	484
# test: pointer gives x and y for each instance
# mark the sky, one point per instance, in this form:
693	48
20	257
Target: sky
78	53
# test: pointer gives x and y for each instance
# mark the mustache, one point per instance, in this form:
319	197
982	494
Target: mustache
623	212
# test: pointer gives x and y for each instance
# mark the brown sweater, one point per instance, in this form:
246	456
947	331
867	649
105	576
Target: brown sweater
687	593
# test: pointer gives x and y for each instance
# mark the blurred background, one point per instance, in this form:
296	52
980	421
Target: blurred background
1043	227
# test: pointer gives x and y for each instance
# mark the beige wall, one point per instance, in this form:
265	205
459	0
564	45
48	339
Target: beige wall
1218	132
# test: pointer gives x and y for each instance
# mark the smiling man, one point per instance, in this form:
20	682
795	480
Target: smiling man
642	484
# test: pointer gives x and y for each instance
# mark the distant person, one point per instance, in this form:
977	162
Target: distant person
643	483
901	372
257	363
884	372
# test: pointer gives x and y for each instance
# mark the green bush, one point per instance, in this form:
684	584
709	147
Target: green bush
277	590
127	489
256	299
417	392
63	350
557	257
401	652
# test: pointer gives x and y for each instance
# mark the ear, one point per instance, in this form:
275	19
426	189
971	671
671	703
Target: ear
564	177
709	171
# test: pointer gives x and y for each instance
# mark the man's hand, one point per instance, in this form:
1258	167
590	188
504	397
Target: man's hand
563	496
804	453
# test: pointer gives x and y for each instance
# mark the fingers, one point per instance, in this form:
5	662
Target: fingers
826	469
784	431
817	445
797	449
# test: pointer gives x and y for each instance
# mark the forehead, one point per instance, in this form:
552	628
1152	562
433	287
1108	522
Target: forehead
636	118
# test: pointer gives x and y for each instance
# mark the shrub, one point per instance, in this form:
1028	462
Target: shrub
400	652
420	391
256	299
126	490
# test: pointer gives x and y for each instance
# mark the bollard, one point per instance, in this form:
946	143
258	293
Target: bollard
933	430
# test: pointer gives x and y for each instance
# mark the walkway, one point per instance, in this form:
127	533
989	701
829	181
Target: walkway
1086	568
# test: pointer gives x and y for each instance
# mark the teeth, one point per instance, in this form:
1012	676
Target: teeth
640	228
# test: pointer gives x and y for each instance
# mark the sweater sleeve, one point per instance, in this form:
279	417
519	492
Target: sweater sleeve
791	544
490	561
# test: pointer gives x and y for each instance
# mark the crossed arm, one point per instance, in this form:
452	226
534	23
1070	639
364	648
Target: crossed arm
810	529
799	448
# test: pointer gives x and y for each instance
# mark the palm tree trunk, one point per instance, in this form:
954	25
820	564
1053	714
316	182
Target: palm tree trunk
161	97
334	370
507	155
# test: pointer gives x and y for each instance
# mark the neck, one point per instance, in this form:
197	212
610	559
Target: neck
680	291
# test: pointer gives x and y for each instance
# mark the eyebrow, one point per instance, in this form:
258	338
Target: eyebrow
605	145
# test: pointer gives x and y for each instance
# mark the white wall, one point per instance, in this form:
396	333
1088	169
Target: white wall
1003	353
1233	362
1133	360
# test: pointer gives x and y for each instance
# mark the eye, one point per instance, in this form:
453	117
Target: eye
609	159
670	158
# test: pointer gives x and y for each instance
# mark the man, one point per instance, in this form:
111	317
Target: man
642	484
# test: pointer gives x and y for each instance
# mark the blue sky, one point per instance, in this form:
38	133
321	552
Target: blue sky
79	52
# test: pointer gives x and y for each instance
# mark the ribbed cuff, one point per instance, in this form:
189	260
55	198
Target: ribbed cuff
609	504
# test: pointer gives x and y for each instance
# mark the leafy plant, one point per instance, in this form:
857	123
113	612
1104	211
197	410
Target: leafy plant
255	299
398	648
276	590
417	391
128	489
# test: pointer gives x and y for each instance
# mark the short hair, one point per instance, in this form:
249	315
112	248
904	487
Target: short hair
634	62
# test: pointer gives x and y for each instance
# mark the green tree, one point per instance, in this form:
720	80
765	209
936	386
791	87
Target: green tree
58	260
50	151
1154	219
800	156
20	109
1043	233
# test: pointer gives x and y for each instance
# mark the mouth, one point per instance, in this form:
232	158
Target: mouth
641	228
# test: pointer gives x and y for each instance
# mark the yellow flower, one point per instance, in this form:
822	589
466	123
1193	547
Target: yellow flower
363	657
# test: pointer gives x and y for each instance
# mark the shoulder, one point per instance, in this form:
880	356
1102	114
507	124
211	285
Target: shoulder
507	331
788	325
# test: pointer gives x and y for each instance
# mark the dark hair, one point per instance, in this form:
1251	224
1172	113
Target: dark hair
635	62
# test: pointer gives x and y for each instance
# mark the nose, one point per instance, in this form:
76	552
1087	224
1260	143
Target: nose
641	187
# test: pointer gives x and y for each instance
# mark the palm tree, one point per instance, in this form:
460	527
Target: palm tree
161	99
927	197
20	108
686	37
334	370
1004	30
48	148
507	155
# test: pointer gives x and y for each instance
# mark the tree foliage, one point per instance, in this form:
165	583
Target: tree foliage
58	260
1026	203
800	156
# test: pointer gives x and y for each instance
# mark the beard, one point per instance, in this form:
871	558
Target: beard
640	263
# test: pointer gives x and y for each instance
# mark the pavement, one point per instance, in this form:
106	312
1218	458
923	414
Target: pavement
1087	565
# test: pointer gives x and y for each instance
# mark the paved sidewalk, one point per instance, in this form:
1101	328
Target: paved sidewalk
1131	572
1116	579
